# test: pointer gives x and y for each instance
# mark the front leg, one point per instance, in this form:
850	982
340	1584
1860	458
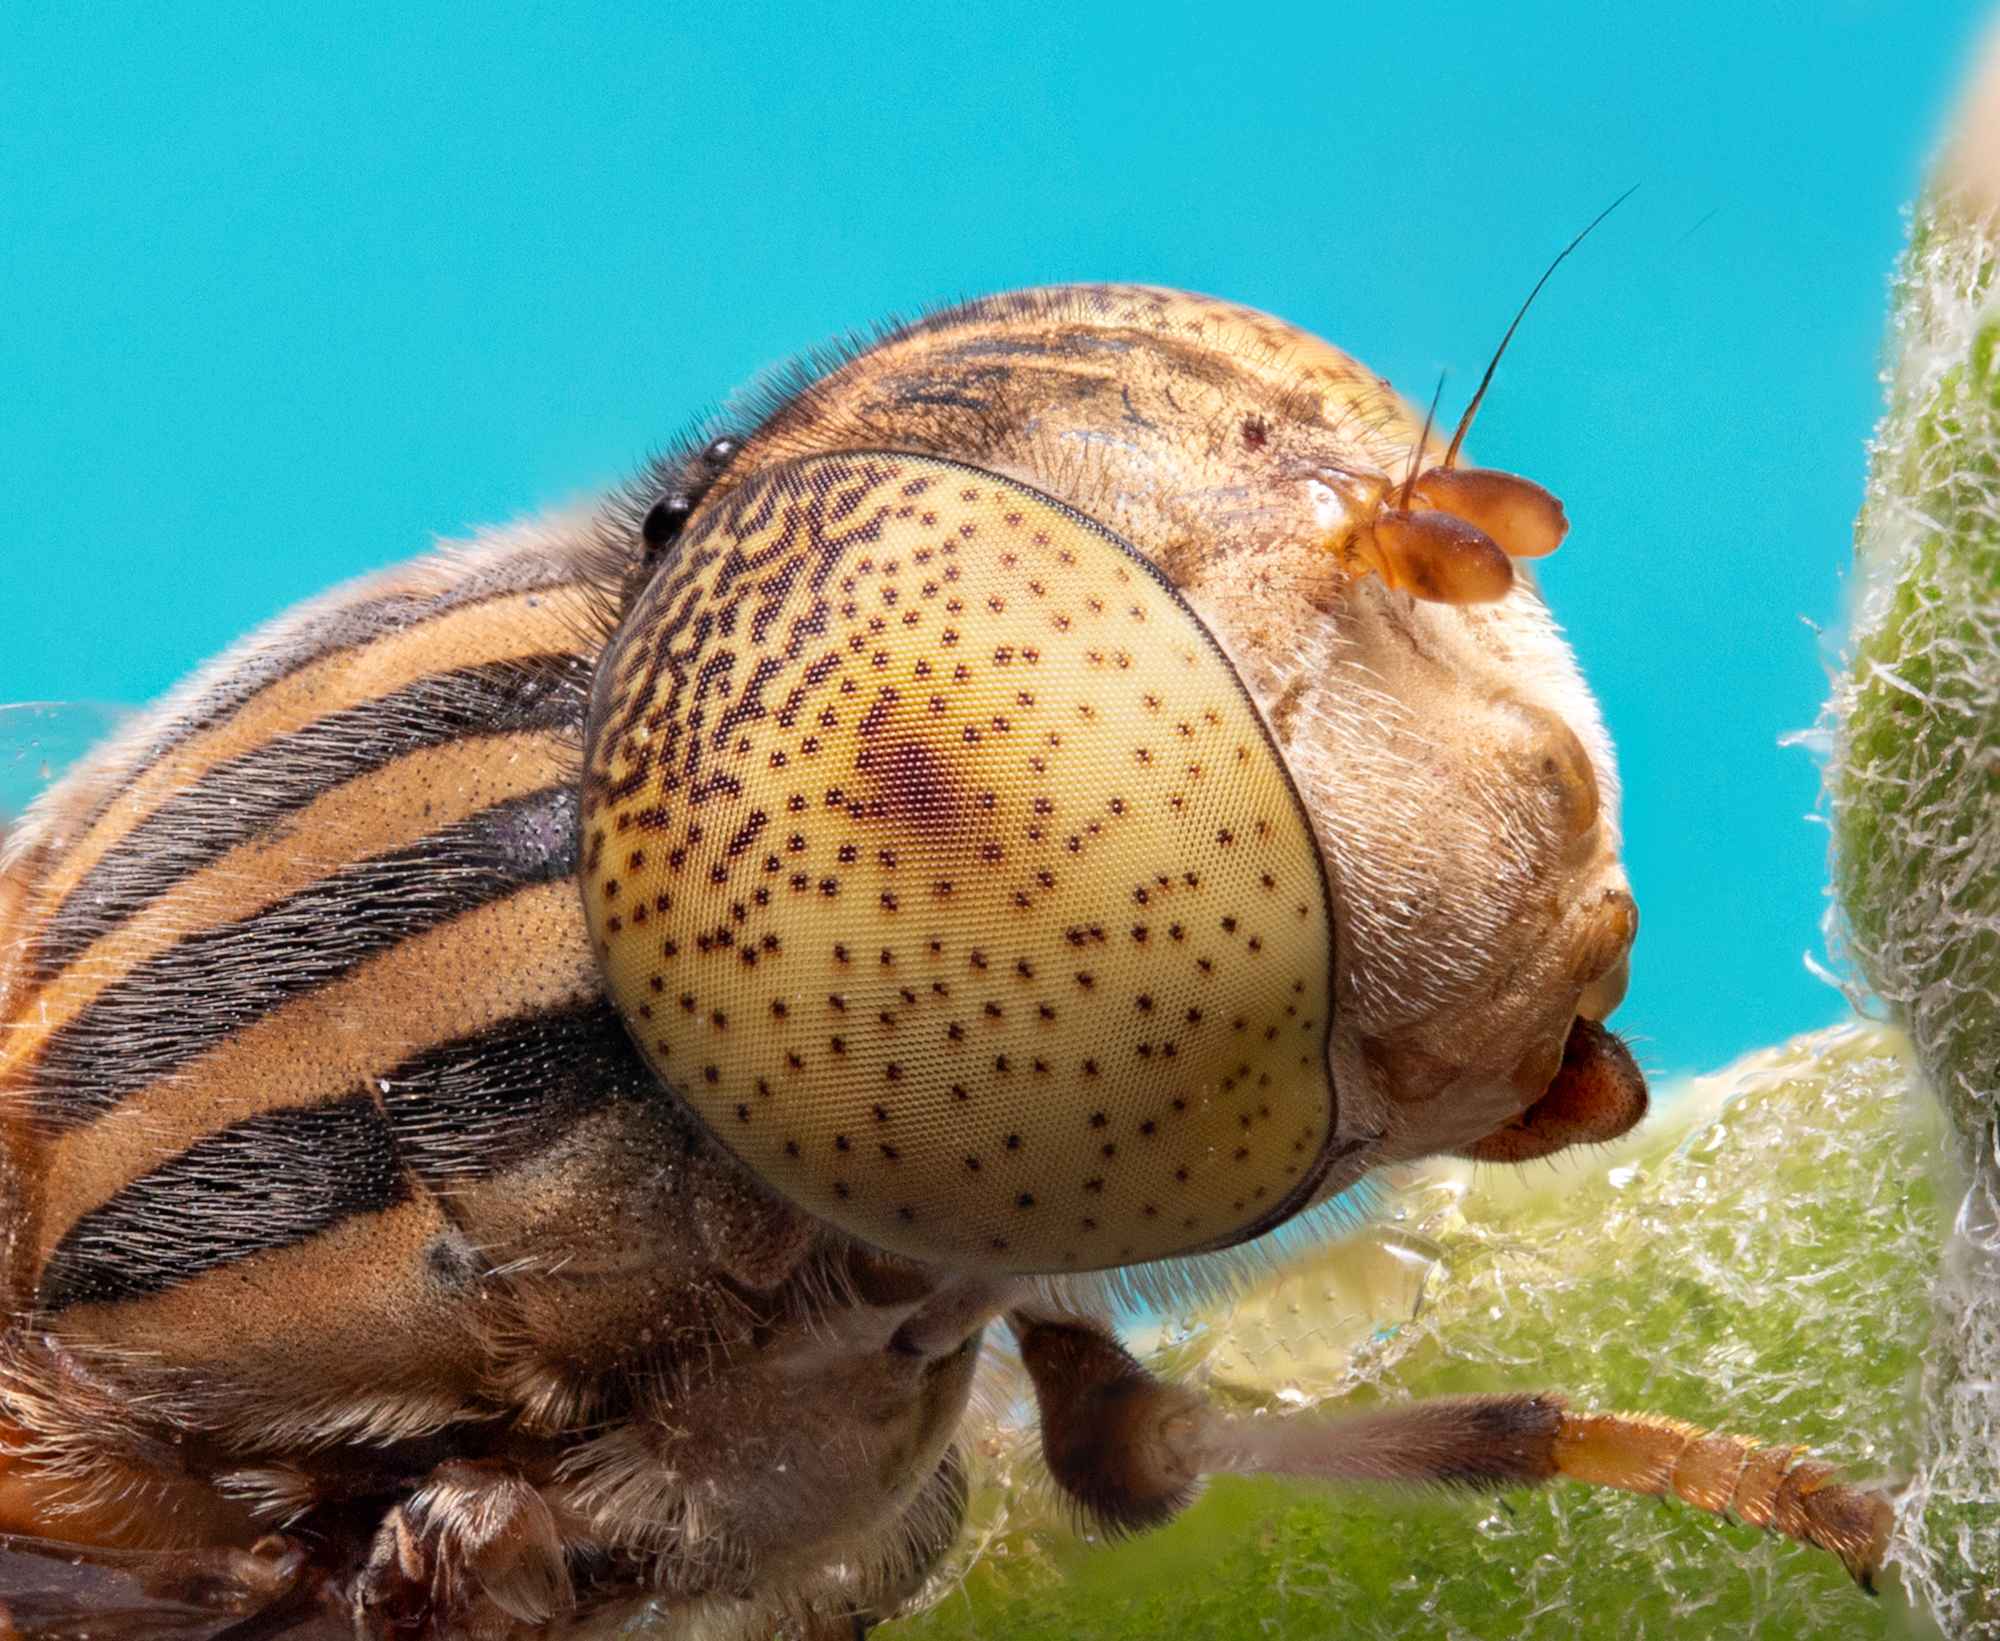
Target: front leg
1131	1450
473	1553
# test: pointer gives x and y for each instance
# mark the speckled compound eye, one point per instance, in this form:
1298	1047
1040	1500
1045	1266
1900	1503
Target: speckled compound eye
938	858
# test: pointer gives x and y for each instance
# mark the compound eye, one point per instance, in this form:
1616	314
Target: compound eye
1518	514
939	860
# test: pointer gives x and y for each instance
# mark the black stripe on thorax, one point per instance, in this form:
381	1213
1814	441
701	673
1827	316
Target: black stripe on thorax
319	631
267	1182
450	1115
244	797
464	1111
186	999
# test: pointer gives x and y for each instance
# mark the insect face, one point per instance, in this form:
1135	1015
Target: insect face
1033	838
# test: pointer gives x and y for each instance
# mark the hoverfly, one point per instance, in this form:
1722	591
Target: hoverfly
528	1081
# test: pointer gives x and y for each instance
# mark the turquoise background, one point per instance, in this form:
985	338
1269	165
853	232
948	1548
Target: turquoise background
282	299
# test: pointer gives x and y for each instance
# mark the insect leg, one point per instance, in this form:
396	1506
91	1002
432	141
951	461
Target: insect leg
1778	1488
475	1550
1130	1449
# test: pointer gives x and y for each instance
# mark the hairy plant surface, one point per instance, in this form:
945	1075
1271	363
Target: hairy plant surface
1915	783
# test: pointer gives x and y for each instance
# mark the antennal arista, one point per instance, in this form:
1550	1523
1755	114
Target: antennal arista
1486	381
1458	545
1423	443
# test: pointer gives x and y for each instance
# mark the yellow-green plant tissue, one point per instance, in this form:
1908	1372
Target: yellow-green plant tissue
1756	1258
1914	782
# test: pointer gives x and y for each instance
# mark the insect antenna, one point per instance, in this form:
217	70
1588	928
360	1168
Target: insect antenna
1417	449
1471	410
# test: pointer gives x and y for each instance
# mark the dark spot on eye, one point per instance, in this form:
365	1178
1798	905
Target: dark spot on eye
1255	432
